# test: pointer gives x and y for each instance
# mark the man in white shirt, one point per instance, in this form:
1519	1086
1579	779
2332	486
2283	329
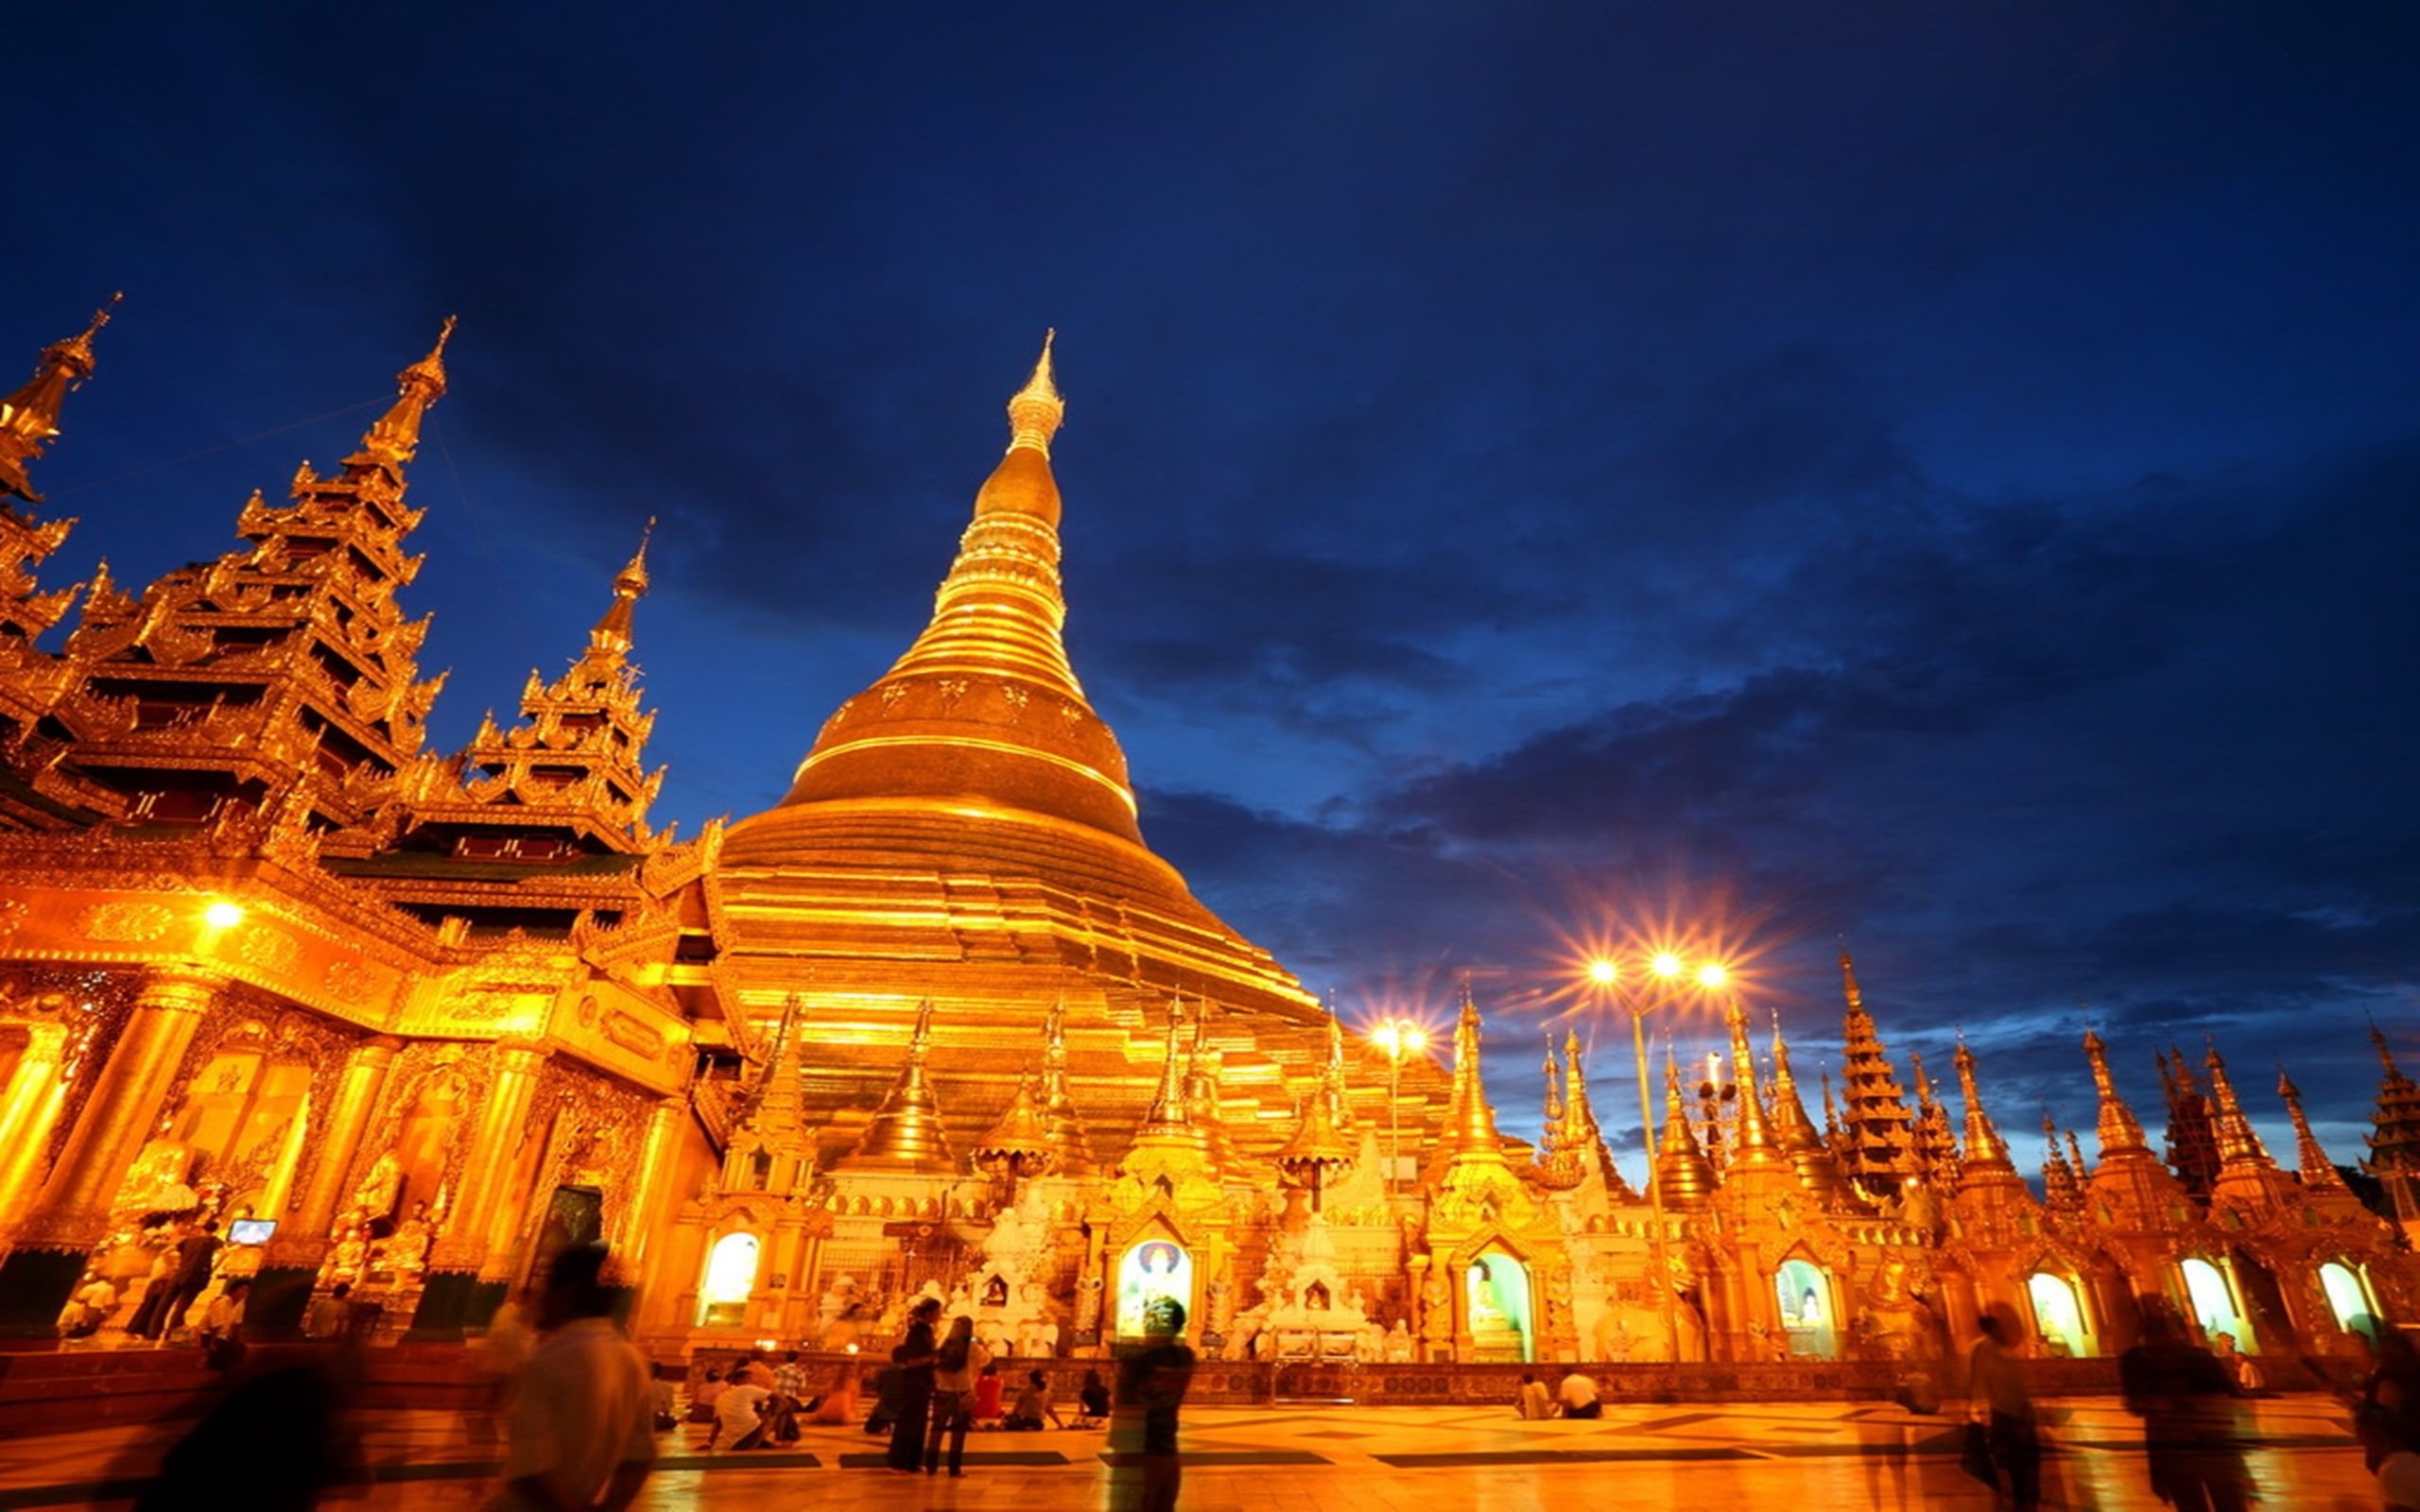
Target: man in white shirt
579	1435
739	1412
1578	1394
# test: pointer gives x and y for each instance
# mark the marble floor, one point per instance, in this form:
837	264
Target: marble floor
1810	1457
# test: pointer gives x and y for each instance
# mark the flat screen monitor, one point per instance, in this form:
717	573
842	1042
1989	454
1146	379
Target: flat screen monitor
251	1230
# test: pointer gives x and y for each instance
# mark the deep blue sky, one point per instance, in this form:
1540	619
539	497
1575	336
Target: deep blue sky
1940	476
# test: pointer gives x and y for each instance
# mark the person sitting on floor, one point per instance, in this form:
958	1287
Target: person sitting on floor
739	1412
988	1390
1532	1401
1577	1395
1033	1406
1092	1398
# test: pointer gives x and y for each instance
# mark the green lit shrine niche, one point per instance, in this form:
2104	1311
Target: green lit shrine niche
2214	1305
1495	1291
1806	1292
2349	1299
2058	1316
731	1279
1152	1272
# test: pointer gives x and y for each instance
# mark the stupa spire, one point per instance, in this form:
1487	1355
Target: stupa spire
1753	1145
1470	1122
1169	1112
1018	1143
2238	1143
2060	1187
906	1132
1985	1149
2394	1135
2310	1159
1818	1170
1203	1094
1036	411
611	635
394	438
2121	1132
1936	1145
29	417
2192	1141
1681	1166
1877	1128
1071	1148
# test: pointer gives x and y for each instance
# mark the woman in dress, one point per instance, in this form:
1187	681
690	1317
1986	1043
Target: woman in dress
915	1357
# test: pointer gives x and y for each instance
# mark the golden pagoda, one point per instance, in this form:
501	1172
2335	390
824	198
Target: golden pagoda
939	1023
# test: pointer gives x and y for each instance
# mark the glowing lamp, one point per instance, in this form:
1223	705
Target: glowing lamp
1712	975
223	915
1602	972
1665	965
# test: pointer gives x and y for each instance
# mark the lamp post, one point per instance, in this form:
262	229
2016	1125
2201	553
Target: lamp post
1606	975
1398	1037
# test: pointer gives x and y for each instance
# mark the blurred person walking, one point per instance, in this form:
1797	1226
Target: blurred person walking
579	1434
2184	1395
2001	1396
1151	1384
916	1355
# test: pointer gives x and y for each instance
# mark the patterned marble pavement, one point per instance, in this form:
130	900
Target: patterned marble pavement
1798	1457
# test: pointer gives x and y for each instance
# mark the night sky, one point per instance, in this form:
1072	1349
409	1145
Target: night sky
1937	476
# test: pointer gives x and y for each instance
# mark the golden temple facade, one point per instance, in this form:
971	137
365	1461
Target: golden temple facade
939	1023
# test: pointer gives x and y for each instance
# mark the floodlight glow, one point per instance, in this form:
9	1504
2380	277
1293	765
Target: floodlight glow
222	914
1666	964
1712	975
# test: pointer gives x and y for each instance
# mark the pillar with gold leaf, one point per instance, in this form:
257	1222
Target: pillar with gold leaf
30	1107
290	1265
454	1297
71	1214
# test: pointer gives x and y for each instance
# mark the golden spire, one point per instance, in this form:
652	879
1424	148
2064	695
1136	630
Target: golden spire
2122	1133
1553	1108
1470	1123
1681	1166
2310	1159
1985	1149
1818	1170
2060	1188
2075	1155
1018	1143
2238	1146
906	1132
29	417
612	636
1319	1149
1754	1145
390	442
1036	410
1936	1146
1168	1113
984	706
1203	1094
1071	1149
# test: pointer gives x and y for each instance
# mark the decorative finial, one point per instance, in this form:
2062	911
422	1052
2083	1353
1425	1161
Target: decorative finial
1036	410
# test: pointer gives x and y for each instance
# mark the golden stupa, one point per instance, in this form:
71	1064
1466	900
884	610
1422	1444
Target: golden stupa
965	831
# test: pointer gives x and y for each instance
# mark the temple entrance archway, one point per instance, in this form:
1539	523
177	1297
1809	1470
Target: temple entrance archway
2348	1299
2059	1319
2213	1299
1807	1317
1495	1301
1151	1273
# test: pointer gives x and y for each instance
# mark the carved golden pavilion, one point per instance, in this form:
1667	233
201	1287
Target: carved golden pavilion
937	1023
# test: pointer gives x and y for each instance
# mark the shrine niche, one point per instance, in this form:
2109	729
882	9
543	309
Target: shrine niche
1155	1271
1809	1311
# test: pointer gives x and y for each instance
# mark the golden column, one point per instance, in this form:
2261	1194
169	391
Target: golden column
290	1265
71	1214
635	1224
28	1108
451	1297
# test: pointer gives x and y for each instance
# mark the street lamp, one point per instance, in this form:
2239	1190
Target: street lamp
1667	969
1398	1037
